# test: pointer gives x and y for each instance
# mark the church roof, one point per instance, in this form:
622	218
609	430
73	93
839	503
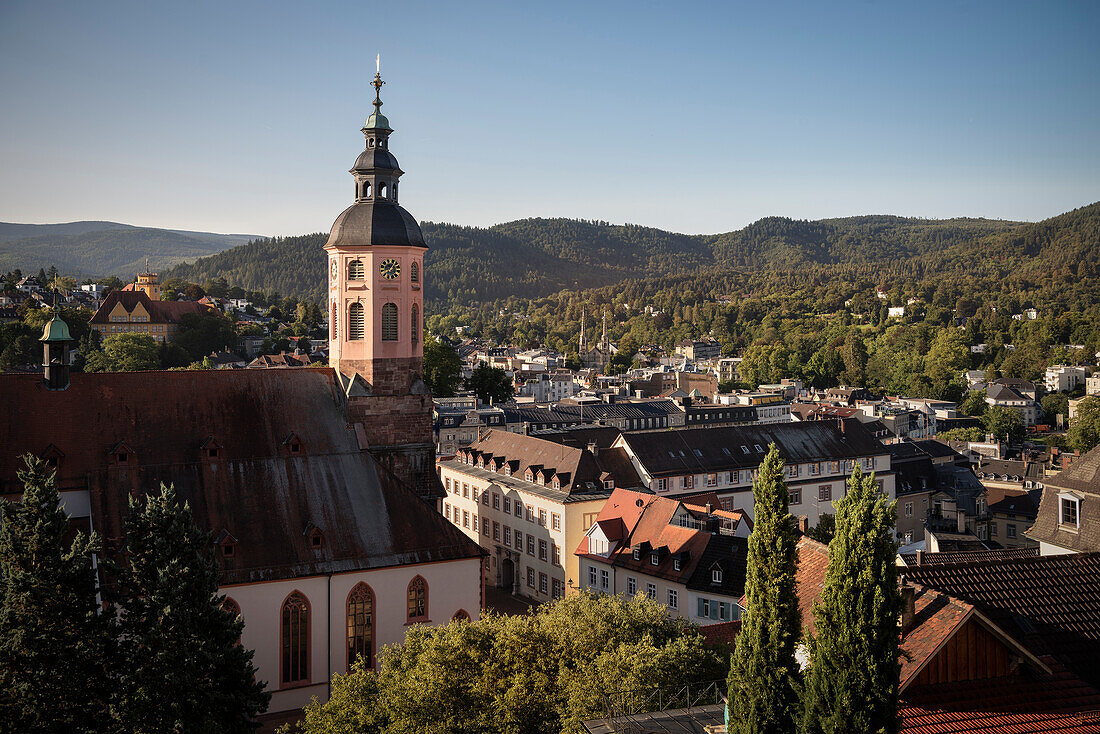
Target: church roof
259	488
375	222
376	157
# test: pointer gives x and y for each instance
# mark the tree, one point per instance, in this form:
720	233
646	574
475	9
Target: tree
974	404
55	642
1004	423
185	667
1084	430
973	433
945	363
764	678
202	333
1054	404
442	367
852	684
825	529
491	384
125	353
855	358
538	673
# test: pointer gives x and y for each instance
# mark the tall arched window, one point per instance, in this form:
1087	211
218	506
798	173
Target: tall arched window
366	189
418	600
355	270
414	272
415	323
393	192
230	605
389	322
382	189
357	328
295	639
361	625
335	331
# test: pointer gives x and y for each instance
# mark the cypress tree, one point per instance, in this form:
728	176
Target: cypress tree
764	676
54	636
852	684
185	671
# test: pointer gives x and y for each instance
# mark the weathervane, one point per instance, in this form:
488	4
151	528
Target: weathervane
377	83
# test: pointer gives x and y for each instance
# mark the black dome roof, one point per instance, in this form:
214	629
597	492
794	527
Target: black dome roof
375	158
375	222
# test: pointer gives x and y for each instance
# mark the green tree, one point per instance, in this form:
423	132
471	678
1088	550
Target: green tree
1084	430
202	333
490	384
764	677
974	404
185	668
442	367
1054	404
962	434
55	642
852	684
540	673
125	353
945	363
825	529
855	359
1004	423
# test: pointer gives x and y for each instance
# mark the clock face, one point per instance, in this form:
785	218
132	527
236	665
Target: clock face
389	269
334	269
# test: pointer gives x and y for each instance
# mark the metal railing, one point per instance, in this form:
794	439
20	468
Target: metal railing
628	711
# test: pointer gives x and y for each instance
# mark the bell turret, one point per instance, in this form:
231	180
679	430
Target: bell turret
55	352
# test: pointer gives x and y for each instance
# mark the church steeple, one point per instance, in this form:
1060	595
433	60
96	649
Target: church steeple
376	170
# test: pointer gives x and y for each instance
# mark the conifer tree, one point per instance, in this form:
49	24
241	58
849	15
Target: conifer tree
185	669
852	684
764	676
54	636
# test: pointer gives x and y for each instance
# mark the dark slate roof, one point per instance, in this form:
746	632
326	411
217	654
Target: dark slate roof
1024	504
970	556
1013	470
695	450
581	436
566	413
1050	604
375	222
376	157
937	449
256	489
1003	393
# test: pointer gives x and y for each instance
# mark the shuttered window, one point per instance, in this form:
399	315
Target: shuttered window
357	328
389	322
355	270
415	323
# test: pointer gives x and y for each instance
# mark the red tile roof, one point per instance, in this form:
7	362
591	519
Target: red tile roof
159	311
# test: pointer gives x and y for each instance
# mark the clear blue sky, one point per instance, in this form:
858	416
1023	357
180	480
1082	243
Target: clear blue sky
696	117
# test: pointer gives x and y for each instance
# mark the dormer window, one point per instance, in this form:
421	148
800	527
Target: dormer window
1070	511
637	554
293	444
676	565
228	549
654	558
715	575
609	484
529	476
316	539
556	483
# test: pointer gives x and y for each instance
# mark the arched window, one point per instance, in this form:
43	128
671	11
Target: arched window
355	270
361	625
357	328
389	322
415	323
382	190
414	272
461	615
418	600
295	639
370	143
366	189
393	193
230	605
335	331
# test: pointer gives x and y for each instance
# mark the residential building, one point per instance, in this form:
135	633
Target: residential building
549	387
699	351
718	415
1092	386
689	557
134	311
1061	378
528	502
819	458
1004	396
626	415
1010	514
460	421
1068	520
667	382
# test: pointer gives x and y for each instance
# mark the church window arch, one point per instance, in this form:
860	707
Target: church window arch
382	189
418	600
414	272
356	271
389	322
393	191
294	642
415	323
370	142
366	189
461	616
357	327
360	625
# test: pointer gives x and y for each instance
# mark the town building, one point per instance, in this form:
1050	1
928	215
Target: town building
599	355
624	414
1005	396
1061	378
317	485
528	502
699	350
689	557
134	310
819	456
1068	520
548	387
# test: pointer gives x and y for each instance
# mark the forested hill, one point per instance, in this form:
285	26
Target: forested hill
84	249
531	258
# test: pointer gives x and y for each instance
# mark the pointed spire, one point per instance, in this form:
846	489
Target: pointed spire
582	344
377	121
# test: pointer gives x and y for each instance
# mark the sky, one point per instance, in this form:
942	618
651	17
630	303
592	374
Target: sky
243	117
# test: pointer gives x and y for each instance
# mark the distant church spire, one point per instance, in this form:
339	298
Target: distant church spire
603	338
583	345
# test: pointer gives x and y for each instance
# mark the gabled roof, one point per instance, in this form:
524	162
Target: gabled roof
159	311
1081	479
1003	394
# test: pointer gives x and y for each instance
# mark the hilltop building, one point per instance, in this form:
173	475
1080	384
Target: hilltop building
311	481
137	308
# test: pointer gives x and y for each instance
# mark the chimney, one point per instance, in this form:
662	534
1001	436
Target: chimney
920	557
962	520
803	524
909	605
708	508
593	448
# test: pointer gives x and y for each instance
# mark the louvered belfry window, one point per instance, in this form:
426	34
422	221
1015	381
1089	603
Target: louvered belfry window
335	330
356	271
357	327
415	323
389	322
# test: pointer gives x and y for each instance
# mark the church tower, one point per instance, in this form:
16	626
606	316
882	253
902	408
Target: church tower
375	310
